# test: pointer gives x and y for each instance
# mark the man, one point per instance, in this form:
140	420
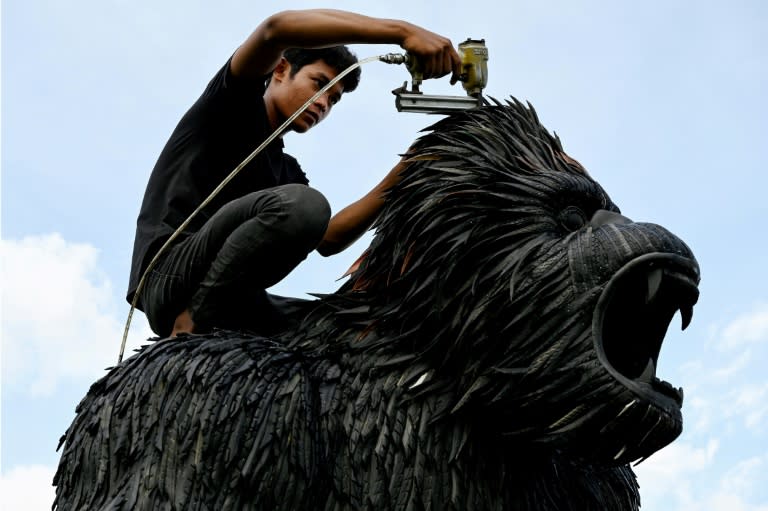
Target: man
267	220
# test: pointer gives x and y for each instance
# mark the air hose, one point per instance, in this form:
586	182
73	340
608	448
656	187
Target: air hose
224	182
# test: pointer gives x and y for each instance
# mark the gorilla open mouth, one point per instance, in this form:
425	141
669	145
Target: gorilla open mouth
632	317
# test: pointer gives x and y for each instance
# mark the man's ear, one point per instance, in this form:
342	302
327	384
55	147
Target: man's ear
282	70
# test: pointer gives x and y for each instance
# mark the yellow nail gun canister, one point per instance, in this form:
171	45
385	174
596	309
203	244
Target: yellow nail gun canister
474	66
473	77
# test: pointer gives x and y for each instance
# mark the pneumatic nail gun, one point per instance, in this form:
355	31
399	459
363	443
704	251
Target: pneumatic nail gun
473	77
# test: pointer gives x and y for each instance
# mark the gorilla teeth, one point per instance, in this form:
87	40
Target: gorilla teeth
649	373
686	313
421	380
627	407
654	283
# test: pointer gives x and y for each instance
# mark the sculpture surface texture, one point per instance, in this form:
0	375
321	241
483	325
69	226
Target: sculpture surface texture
494	348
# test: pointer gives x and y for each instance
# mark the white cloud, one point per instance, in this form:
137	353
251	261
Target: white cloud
735	489
27	487
683	477
750	401
743	343
724	385
723	501
726	405
59	317
741	478
749	328
736	364
669	473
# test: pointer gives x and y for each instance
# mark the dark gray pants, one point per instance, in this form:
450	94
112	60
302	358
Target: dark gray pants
220	273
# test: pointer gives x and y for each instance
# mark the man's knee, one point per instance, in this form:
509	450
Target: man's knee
308	212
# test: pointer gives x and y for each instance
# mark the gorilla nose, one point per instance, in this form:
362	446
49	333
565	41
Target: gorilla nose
603	216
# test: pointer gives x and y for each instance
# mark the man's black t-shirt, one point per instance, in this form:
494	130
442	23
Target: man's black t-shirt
218	132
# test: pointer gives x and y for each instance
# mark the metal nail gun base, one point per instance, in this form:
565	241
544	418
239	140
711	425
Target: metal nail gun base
431	104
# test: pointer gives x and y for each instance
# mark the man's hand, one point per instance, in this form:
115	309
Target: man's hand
435	53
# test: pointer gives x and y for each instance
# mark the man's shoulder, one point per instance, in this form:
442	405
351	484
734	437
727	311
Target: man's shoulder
226	80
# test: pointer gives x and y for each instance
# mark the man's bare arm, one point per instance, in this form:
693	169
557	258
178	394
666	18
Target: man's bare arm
317	28
350	223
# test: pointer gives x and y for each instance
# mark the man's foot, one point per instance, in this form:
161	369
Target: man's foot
183	324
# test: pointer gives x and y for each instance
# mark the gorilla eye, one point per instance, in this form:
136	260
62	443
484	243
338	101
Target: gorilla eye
572	218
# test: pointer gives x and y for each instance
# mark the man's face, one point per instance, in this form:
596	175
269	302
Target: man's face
288	93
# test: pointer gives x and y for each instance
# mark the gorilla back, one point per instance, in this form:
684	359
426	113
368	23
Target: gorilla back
495	348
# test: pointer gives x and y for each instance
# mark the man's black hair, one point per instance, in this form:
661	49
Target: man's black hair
338	57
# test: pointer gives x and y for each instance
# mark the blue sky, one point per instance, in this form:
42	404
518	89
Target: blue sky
663	101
